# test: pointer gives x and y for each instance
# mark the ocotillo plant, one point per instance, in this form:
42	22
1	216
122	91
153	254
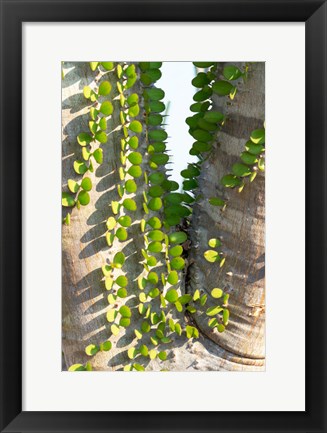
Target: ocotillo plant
156	277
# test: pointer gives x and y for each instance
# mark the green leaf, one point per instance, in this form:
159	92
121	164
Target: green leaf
119	259
67	200
155	247
217	293
261	164
232	73
248	158
112	298
80	167
211	256
138	367
94	65
86	184
101	137
133	142
171	296
222	88
105	346
230	181
203	64
157	134
104	88
221	327
155	107
135	171
87	92
225	316
144	350
122	281
98	155
83	139
106	108
153	278
177	263
258	136
152	354
241	170
156	235
213	322
156	191
125	220
130	204
124	321
134	110
108	66
115	329
216	201
84	198
185	299
196	295
154	94
154	119
214	310
155	204
72	185
135	158
214	243
154	222
214	116
175	251
109	283
159	158
200	80
136	126
94	113
145	326
77	367
122	234
111	315
178	329
125	311
162	355
203	94
151	76
253	148
172	278
201	135
177	237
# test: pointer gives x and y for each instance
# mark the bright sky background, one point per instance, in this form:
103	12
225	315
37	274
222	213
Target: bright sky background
176	82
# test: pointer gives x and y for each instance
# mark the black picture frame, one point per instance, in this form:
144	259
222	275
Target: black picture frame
13	14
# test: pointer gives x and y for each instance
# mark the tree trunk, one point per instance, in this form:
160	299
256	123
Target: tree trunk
240	227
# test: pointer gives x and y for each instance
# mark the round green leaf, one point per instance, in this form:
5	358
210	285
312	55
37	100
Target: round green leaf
111	315
67	200
101	137
154	94
211	256
80	167
153	278
217	293
201	135
155	203
125	311
119	259
84	198
177	263
171	296
157	178
111	222
86	184
104	88
125	221
154	222
216	201
258	136
135	171
177	237
98	155
106	108
230	181
122	234
159	158
135	158
156	191
158	134
130	204
122	281
222	88
156	235
124	322
176	251
83	139
105	346
136	126
72	185
214	243
214	116
241	170
155	247
232	73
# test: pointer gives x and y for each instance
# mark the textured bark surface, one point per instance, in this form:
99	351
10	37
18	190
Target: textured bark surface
241	226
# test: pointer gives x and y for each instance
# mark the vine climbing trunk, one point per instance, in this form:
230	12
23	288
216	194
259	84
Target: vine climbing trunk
93	234
240	226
